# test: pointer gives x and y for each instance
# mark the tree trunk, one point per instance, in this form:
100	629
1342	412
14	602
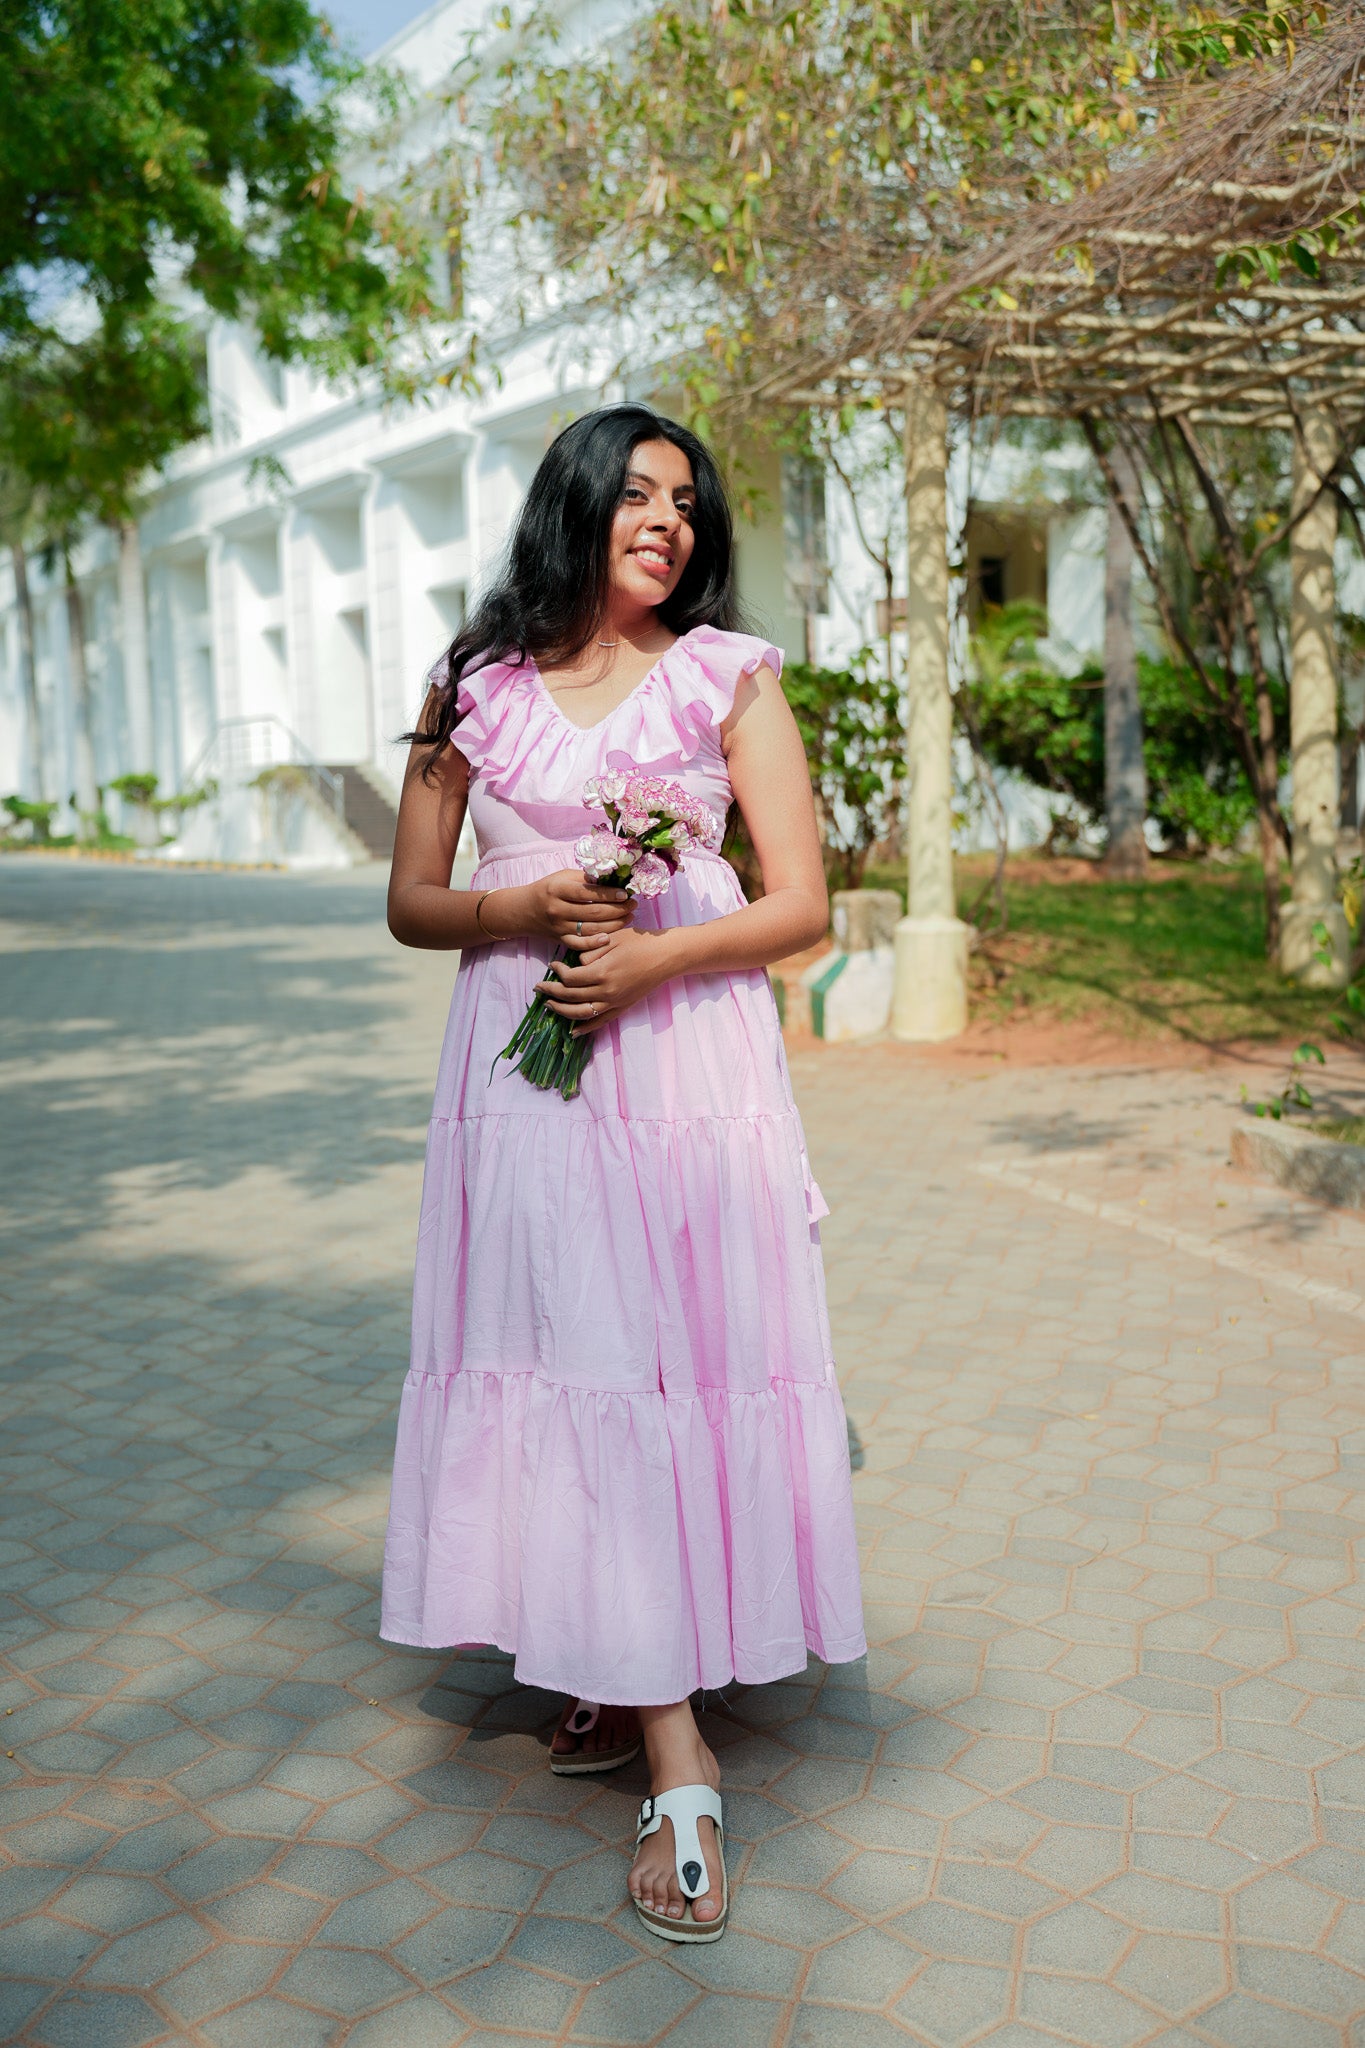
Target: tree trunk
930	1001
87	786
1125	770
1268	830
1313	719
28	668
1267	783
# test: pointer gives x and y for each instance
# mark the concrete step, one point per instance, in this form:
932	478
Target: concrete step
370	810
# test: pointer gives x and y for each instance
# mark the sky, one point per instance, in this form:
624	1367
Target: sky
368	23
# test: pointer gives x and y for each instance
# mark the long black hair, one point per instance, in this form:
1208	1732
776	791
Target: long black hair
550	598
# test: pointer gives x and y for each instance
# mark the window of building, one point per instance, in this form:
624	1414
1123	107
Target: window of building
991	579
805	545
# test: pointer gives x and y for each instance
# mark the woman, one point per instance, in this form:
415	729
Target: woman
621	1451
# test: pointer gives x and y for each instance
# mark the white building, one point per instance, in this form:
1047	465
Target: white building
304	566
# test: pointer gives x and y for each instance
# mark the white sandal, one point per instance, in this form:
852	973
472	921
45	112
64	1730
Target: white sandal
685	1806
582	1763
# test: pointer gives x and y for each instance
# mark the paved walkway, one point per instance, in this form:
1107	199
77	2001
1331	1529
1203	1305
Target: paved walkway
1101	1780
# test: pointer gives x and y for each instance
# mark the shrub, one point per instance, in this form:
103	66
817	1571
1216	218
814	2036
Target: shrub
1049	728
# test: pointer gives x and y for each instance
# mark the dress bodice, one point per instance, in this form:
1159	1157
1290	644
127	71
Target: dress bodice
528	762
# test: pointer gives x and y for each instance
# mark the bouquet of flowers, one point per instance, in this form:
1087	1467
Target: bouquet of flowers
650	826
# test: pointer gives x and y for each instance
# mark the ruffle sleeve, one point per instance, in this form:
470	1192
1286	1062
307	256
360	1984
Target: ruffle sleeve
722	658
679	709
501	722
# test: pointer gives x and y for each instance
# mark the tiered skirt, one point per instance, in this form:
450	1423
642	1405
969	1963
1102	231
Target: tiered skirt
622	1452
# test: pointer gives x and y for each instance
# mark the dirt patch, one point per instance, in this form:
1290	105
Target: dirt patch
1080	1042
988	1045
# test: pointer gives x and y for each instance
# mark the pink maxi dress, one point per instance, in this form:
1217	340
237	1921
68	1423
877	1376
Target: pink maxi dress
621	1451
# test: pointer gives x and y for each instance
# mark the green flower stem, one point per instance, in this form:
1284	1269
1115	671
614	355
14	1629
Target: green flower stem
543	1050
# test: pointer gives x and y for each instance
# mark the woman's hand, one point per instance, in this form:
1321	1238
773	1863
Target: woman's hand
615	970
568	906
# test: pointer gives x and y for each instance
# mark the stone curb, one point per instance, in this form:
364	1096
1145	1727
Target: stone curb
1300	1160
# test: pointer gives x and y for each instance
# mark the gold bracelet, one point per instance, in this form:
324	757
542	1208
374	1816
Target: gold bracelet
478	914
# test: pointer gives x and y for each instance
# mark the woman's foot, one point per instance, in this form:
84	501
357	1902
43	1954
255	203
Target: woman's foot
616	1729
677	1756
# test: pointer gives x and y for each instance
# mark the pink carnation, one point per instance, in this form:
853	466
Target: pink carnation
601	790
601	853
650	877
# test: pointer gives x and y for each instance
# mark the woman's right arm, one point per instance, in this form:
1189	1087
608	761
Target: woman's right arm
425	911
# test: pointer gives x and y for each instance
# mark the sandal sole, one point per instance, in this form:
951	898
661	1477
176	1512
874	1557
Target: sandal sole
684	1930
592	1766
690	1930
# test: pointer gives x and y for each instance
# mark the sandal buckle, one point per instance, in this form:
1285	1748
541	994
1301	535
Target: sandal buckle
646	1809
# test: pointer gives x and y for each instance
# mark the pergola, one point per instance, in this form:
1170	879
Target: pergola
1218	280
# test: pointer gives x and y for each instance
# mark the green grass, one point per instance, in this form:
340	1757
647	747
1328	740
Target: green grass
1182	955
1346	1130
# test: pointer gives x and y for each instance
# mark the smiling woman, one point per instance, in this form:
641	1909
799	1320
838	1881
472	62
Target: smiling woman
622	1451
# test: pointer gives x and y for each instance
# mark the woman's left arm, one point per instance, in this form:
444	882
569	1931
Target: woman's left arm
771	781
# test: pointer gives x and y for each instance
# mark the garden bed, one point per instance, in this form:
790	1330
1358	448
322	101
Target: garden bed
1178	958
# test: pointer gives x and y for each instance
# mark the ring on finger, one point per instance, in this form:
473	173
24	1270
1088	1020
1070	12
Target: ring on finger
580	927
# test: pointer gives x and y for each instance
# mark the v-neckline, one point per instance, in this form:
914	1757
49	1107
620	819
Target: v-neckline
629	697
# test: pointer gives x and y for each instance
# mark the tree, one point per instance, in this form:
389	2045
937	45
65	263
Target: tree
1224	520
774	186
162	161
140	397
189	150
775	189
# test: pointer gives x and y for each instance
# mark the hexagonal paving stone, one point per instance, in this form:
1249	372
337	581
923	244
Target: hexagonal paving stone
377	1918
954	2002
1174	1973
42	1946
940	1929
112	1903
420	2022
478	1879
258	1812
503	1995
632	2007
114	2019
270	2023
143	1958
868	1968
341	1981
571	1948
455	1941
1095	2013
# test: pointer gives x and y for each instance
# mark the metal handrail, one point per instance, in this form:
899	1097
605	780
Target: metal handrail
239	749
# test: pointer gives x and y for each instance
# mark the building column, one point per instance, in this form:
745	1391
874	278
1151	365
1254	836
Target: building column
1313	722
137	674
930	1000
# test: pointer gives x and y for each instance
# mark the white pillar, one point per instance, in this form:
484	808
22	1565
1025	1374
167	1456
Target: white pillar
930	1001
1313	722
137	674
